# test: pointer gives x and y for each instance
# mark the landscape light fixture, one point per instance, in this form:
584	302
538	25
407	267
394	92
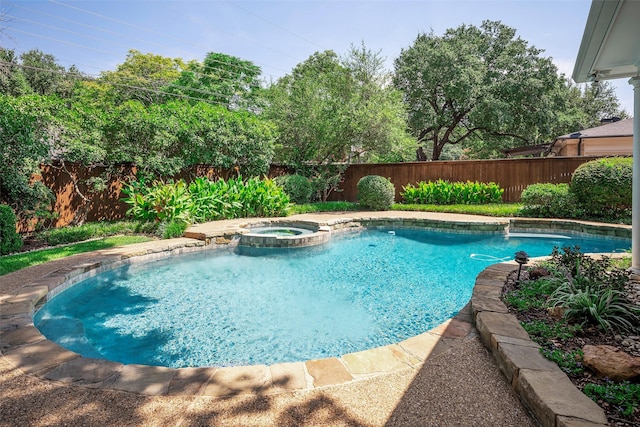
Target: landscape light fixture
521	258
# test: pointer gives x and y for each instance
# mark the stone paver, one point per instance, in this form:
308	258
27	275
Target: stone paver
143	379
38	356
289	376
189	381
513	357
425	345
492	324
238	380
380	359
92	373
328	372
453	328
19	336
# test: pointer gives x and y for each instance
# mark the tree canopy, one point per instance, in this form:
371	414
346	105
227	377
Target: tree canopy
142	76
482	87
221	79
333	110
23	146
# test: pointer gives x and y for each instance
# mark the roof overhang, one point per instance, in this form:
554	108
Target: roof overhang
610	47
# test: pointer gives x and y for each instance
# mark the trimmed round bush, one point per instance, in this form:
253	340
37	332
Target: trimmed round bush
298	187
603	187
10	240
376	192
549	201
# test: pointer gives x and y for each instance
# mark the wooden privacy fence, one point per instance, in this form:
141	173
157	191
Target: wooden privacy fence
514	175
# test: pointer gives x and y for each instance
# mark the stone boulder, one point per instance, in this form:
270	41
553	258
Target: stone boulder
611	362
538	272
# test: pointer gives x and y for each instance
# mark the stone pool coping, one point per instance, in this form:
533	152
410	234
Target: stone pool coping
539	383
23	345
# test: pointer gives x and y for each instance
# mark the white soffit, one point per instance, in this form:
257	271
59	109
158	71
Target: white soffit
610	47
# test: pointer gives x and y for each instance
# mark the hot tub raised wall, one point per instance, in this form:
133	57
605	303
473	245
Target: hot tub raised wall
317	235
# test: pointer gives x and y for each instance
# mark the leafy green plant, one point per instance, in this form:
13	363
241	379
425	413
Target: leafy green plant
10	240
625	396
605	307
531	294
542	332
569	361
590	291
172	229
205	200
376	192
443	192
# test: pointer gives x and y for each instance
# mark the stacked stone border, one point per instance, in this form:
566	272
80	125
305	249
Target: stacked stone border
537	382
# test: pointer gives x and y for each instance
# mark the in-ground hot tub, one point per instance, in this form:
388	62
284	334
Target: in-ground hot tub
285	235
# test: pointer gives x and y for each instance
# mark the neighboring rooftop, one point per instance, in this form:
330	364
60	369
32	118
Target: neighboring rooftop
619	128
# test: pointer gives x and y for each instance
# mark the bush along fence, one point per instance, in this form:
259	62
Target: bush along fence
513	175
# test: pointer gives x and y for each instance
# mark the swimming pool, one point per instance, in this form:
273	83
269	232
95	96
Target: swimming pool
250	306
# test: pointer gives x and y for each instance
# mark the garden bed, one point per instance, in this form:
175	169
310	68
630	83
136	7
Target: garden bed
563	341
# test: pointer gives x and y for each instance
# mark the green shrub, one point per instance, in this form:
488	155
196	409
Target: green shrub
376	192
549	201
603	187
569	361
443	192
298	187
10	240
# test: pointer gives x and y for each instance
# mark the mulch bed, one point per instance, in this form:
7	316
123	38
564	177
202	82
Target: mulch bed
592	336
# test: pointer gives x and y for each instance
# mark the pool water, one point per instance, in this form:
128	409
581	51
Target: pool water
264	306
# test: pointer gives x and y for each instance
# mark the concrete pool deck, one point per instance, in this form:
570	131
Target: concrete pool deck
442	377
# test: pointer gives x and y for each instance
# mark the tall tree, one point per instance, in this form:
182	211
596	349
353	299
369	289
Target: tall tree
23	146
332	110
142	77
482	84
380	131
12	80
599	101
221	79
310	108
42	72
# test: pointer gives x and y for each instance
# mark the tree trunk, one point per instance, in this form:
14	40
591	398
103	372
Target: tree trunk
437	150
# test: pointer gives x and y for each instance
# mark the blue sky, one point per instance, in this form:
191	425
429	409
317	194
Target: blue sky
276	35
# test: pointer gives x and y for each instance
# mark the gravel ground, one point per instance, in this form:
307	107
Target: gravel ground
461	387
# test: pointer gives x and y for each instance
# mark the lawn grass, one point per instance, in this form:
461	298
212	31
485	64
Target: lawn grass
496	209
323	207
90	230
9	263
